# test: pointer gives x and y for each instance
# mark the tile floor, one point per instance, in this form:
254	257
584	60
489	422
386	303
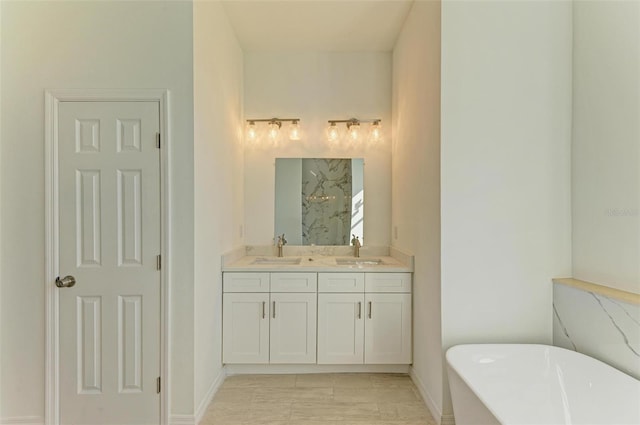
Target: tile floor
318	399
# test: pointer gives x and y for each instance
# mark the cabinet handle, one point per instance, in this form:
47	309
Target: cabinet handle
274	309
359	310
369	309
264	309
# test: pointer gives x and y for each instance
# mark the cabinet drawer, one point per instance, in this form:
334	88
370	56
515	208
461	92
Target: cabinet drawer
340	282
294	282
387	282
245	282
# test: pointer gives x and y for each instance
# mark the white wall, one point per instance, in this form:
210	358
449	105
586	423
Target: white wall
606	147
218	179
84	45
416	183
316	87
505	161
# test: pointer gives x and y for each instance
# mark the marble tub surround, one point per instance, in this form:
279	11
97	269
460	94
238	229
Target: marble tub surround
613	293
598	321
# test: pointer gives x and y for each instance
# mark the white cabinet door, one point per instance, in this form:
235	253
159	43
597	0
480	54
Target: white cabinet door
293	328
388	329
246	328
340	328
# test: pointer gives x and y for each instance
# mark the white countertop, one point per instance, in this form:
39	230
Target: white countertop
316	263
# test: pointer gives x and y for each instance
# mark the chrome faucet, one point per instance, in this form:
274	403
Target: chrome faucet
281	242
356	246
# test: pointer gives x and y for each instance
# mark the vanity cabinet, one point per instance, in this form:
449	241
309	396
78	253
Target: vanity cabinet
274	324
369	323
323	318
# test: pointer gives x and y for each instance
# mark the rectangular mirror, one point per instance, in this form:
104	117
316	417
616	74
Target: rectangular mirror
319	201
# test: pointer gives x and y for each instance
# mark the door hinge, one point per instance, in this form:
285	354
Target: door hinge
158	140
158	262
158	385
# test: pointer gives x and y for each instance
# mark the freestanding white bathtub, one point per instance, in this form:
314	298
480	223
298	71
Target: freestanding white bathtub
538	384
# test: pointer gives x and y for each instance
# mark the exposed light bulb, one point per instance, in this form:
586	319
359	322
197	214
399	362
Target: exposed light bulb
294	131
274	129
376	131
251	131
354	130
332	132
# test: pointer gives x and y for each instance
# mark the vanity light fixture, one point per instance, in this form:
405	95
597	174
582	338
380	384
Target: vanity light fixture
376	131
251	131
353	129
274	129
274	125
332	132
320	198
294	130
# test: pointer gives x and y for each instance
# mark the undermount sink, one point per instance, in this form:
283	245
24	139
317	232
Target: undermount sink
358	261
278	260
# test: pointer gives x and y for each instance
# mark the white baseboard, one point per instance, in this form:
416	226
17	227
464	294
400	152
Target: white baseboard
22	420
213	389
204	403
182	420
448	420
256	369
431	405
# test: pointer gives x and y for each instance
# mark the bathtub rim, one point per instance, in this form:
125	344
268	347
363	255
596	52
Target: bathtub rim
479	395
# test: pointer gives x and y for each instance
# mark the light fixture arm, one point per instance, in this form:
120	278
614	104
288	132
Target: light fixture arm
278	121
353	128
354	121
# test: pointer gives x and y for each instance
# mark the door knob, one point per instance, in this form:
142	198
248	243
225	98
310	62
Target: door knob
65	282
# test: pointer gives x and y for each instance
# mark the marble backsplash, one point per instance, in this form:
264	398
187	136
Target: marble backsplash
313	250
599	326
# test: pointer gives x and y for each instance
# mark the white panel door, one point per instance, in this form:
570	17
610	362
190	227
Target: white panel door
245	333
109	237
340	328
292	330
387	330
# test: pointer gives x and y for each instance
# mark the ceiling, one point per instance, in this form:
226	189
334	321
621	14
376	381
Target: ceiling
317	25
